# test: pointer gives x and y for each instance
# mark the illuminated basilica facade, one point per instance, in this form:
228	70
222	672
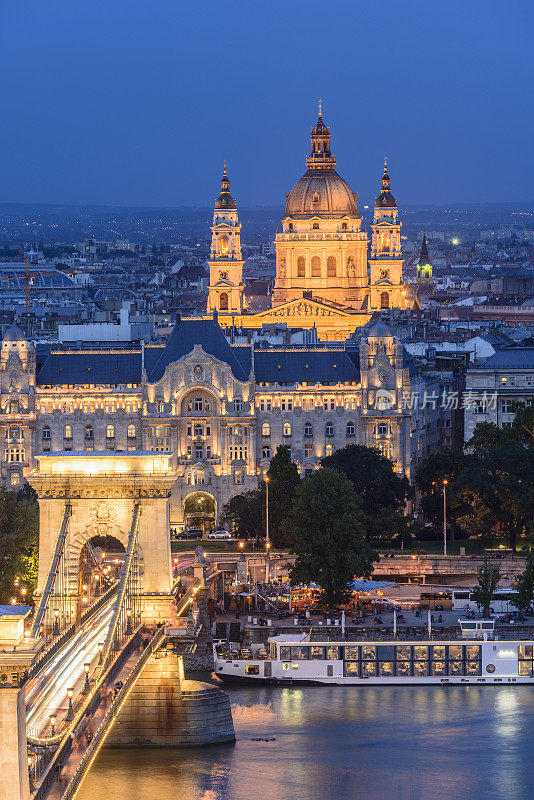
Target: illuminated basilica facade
328	273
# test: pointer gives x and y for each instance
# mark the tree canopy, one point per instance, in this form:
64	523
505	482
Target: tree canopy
19	535
325	529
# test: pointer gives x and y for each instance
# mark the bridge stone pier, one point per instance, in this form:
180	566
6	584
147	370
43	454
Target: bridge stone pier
102	490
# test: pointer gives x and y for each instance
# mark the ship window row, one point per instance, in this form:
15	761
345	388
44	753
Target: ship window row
378	653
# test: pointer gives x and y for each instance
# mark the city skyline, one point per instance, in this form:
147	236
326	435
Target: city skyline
121	106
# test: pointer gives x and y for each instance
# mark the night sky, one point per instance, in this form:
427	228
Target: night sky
125	102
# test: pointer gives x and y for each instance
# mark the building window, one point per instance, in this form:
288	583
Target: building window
199	430
266	451
290	226
110	432
223	302
506	406
14	454
343	226
308	430
238	405
46	433
68	432
131	431
265	429
287	429
199	451
265	404
286	404
160	408
15	433
315	226
301	267
316	267
350	429
329	429
239	430
384	300
14	407
329	403
88	431
14	479
331	267
382	429
480	407
329	449
239	477
308	451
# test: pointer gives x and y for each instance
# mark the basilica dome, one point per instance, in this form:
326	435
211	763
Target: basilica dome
321	193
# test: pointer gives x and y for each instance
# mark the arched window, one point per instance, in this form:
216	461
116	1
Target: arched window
290	226
308	430
329	429
350	429
88	431
265	429
46	433
110	432
225	245
331	267
131	431
315	226
384	300
316	267
301	267
287	429
223	301
68	432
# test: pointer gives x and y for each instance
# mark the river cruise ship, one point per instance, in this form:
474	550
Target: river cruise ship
475	656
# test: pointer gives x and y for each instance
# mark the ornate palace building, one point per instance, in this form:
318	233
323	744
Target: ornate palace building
326	276
217	411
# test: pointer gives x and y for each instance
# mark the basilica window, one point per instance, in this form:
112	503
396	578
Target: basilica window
351	430
238	405
110	432
308	430
316	267
68	432
384	300
131	431
329	429
331	267
301	267
225	245
223	301
287	429
46	433
265	429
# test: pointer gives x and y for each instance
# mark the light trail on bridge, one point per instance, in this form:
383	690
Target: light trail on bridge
46	693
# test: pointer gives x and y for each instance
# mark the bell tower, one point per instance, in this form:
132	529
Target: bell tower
225	261
386	289
424	267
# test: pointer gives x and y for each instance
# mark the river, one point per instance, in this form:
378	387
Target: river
377	743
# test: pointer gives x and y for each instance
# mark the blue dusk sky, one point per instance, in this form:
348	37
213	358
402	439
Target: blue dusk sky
123	102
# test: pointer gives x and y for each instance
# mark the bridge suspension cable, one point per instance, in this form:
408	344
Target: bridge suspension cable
58	581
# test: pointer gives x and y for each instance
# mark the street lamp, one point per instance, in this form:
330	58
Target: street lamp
87	686
30	761
267	510
100	649
445	482
53	723
129	621
56	621
70	712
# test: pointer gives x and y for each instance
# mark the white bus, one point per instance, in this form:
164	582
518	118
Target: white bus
502	601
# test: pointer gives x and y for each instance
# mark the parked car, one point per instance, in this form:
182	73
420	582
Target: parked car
219	535
190	533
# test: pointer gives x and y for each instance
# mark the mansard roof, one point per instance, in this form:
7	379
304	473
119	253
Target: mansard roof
511	358
306	364
209	335
90	366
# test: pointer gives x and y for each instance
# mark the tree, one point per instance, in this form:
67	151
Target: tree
488	577
372	476
447	465
524	584
243	513
284	478
324	530
19	535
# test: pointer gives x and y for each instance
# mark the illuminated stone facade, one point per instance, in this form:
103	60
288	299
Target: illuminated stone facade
225	262
216	412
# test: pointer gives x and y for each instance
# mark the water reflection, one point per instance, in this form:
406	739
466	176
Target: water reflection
407	743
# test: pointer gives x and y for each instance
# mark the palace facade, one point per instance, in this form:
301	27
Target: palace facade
218	410
328	273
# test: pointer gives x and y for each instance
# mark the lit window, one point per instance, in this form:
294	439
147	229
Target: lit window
265	429
14	479
14	407
287	429
110	432
131	431
68	432
308	451
329	449
238	430
239	477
